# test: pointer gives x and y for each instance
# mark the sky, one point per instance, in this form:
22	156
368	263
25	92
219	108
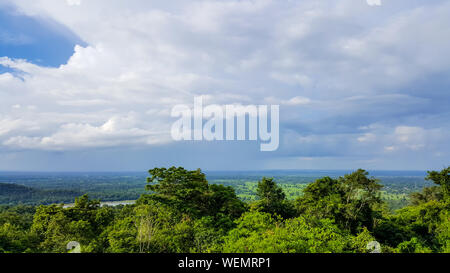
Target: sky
90	85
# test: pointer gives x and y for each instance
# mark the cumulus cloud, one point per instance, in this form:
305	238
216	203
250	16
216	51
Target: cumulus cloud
338	68
116	131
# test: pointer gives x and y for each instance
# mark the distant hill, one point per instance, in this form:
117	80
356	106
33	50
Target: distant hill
15	190
12	194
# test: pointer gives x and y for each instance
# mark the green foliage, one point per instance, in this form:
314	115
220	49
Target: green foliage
352	201
272	199
122	236
442	179
183	213
188	192
13	239
269	192
422	222
185	190
56	226
428	194
443	232
44	189
359	243
14	194
20	216
260	232
412	246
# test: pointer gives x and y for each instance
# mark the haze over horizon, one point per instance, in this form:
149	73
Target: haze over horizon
219	171
89	85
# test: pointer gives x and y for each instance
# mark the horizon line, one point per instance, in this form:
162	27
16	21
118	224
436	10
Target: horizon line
206	170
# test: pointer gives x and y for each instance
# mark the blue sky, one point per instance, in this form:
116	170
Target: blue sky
89	85
37	40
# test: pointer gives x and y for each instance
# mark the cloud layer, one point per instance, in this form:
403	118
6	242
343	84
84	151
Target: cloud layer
357	83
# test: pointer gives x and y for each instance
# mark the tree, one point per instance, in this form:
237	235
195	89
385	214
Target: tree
122	236
412	246
351	201
224	207
259	232
185	214
443	232
272	199
442	179
151	219
428	194
423	222
13	239
182	189
269	191
362	196
188	192
55	226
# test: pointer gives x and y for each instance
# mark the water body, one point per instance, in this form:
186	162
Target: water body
111	203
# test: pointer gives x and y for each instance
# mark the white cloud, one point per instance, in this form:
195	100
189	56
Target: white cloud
405	138
390	148
368	137
297	101
115	132
347	64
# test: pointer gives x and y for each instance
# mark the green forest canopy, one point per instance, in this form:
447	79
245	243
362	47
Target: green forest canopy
182	212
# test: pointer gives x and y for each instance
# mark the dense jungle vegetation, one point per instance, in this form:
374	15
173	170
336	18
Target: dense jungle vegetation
182	212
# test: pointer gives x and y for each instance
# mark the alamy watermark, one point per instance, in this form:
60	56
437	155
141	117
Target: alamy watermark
374	247
74	247
227	123
373	2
